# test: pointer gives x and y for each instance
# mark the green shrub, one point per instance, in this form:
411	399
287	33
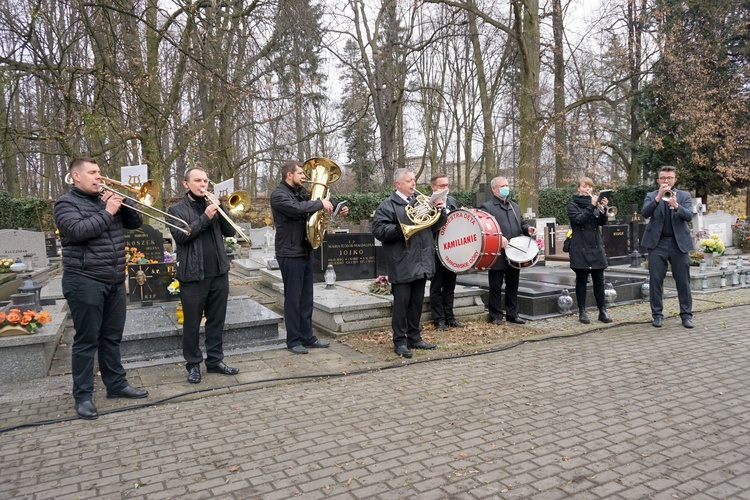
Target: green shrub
32	213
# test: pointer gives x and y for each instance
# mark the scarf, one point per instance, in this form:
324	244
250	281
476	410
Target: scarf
582	201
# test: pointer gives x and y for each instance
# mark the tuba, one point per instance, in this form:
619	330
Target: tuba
421	212
320	172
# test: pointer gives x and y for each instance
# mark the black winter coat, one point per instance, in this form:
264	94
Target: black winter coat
586	244
93	240
290	208
410	261
511	222
189	247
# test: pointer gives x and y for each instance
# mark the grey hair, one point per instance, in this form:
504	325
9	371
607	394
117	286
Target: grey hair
496	181
399	173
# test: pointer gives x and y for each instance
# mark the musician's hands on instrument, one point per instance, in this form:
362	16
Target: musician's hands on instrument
439	203
662	188
594	200
604	201
211	210
532	231
503	242
113	201
673	203
327	206
344	210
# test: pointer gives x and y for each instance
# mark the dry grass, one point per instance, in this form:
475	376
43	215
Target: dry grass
475	336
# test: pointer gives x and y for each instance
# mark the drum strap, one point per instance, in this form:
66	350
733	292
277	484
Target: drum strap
520	226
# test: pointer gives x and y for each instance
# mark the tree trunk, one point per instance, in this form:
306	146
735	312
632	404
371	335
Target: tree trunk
561	136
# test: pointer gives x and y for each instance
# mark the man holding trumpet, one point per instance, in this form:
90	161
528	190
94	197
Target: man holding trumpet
203	273
668	240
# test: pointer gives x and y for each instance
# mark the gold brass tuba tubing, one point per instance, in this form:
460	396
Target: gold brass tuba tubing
421	212
320	173
148	194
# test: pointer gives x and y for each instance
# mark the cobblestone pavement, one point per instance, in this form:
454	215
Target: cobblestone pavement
625	412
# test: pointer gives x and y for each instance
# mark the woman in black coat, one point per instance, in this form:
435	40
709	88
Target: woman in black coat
587	247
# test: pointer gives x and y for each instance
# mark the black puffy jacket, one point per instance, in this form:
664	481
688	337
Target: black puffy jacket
189	246
410	261
93	240
290	208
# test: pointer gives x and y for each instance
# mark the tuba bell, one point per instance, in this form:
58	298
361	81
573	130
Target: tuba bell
320	172
422	212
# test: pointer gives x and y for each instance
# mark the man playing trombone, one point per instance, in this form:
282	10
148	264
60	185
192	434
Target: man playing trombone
93	255
203	273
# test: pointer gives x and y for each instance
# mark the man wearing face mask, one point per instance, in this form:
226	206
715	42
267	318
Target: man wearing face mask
668	239
203	273
508	216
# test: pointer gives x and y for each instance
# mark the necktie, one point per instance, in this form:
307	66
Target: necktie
408	199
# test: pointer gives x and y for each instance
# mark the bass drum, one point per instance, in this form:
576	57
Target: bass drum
470	240
522	251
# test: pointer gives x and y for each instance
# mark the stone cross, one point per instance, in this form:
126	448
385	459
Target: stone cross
529	214
269	239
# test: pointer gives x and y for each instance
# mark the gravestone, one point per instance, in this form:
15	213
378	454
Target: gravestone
615	238
150	281
720	223
351	255
20	243
50	243
147	240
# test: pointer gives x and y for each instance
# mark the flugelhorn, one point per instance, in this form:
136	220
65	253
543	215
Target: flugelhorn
422	212
667	195
148	194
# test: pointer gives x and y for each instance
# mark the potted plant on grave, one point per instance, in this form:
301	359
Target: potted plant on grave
14	322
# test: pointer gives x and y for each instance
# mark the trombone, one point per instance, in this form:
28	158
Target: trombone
148	194
239	201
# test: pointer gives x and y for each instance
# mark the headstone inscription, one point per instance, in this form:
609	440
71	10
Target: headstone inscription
50	243
615	238
24	244
720	223
150	281
147	240
352	256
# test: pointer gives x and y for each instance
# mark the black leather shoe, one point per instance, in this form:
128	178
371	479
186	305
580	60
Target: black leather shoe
318	345
688	323
129	392
402	350
194	374
86	410
516	320
223	369
657	322
455	323
298	349
604	316
497	321
440	325
583	317
421	345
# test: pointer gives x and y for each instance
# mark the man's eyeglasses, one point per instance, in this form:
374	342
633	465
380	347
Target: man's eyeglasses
667	178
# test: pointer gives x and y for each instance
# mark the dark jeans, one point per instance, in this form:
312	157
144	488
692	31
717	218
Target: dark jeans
407	311
442	292
582	278
511	276
296	272
98	312
206	297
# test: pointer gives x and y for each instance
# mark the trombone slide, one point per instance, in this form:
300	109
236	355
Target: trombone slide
226	217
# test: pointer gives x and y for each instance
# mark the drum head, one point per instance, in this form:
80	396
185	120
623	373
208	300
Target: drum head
459	242
522	251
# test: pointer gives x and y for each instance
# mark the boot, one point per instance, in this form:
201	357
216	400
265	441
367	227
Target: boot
583	317
603	316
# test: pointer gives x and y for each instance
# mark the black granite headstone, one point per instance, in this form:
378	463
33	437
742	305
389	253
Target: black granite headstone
50	243
352	256
615	238
150	281
147	240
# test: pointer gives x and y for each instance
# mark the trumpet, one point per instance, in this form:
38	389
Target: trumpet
240	201
148	194
667	195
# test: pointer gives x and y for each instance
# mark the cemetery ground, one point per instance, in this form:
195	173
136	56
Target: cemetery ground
626	411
